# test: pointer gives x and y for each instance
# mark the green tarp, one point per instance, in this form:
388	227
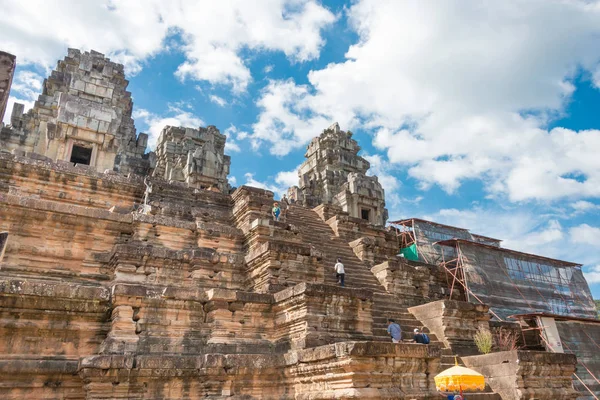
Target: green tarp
410	252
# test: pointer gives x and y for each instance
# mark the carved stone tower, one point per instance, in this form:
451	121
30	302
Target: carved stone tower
334	173
194	156
83	116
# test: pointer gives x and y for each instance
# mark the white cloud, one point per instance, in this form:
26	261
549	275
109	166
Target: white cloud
9	106
283	180
464	93
218	100
214	33
232	180
155	123
26	88
268	68
596	77
384	172
586	234
232	147
233	134
592	275
280	121
250	181
287	179
583	206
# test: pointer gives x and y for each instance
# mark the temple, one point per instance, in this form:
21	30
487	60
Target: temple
135	274
334	173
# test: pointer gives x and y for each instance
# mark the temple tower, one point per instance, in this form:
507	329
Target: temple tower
334	173
7	70
194	156
83	116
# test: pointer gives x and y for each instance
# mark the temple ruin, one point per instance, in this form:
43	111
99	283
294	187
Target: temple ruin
334	173
128	274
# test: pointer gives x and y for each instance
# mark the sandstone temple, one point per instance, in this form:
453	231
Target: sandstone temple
135	274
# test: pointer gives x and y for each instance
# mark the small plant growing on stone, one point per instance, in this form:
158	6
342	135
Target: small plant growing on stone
483	340
505	340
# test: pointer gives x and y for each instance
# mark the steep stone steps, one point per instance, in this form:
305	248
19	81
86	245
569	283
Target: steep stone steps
320	235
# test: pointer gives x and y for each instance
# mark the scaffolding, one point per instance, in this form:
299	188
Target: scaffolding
514	285
579	336
418	237
512	282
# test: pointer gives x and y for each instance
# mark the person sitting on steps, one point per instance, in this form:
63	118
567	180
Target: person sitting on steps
340	272
420	337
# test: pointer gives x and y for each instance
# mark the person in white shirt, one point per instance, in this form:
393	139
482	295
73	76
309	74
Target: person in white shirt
339	272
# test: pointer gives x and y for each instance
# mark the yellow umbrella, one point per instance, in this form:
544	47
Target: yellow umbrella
457	379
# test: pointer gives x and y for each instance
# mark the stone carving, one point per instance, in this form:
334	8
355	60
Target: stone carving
334	173
82	116
193	156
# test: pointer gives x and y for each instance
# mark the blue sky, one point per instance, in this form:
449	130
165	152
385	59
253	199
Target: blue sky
485	117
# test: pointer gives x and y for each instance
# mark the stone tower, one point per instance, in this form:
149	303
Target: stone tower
334	173
194	156
7	70
83	116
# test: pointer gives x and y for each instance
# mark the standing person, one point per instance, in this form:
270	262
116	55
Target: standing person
285	205
394	331
420	337
340	273
276	211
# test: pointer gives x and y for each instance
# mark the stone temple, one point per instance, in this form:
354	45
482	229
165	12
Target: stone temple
128	274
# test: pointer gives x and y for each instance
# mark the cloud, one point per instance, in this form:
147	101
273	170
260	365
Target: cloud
26	87
582	207
155	123
250	181
592	275
233	134
211	35
283	180
384	172
287	179
465	93
218	100
281	121
586	234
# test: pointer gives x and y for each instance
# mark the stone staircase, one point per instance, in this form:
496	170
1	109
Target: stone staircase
358	275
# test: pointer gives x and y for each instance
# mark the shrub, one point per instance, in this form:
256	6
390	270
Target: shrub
483	340
505	339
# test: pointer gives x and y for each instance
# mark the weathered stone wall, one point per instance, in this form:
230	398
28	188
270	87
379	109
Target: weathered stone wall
7	70
455	323
84	103
46	326
412	282
342	370
527	374
309	315
64	183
